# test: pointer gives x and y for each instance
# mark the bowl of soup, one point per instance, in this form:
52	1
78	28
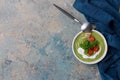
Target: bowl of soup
89	48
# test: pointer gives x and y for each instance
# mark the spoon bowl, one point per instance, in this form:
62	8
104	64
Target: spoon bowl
87	27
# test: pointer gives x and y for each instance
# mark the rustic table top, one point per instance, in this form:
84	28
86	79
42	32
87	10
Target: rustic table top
36	39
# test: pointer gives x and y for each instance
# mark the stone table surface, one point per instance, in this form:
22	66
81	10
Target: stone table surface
36	39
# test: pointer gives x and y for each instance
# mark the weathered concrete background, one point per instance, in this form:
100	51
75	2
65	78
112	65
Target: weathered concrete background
35	42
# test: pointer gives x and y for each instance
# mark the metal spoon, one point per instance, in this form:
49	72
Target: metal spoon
85	27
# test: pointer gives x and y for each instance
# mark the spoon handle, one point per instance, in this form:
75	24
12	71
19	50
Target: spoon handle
67	14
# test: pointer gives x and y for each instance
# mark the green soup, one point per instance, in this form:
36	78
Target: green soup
102	44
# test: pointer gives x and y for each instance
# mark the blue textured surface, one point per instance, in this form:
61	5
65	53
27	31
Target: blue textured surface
35	42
